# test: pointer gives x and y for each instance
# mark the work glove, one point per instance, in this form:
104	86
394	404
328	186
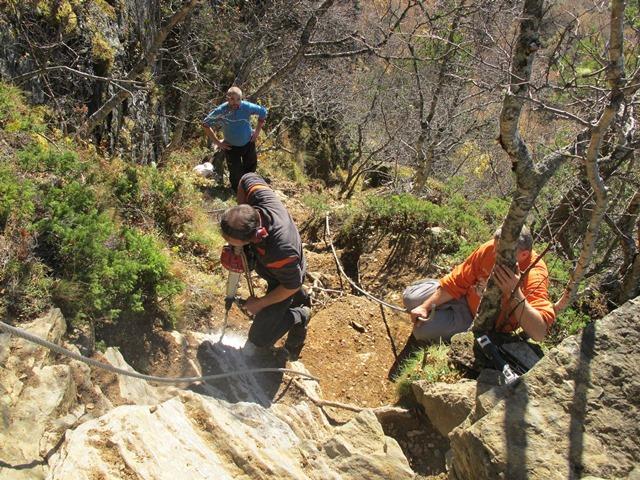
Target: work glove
231	260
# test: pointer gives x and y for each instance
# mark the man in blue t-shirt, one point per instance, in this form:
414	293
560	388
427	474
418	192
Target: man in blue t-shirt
239	144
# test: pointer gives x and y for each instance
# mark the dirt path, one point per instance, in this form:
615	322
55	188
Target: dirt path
349	349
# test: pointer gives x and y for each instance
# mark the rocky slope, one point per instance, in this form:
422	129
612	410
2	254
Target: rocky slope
59	422
574	415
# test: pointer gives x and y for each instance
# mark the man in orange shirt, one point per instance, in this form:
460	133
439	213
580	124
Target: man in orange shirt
456	296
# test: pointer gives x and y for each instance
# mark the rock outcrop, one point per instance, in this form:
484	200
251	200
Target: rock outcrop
58	425
192	436
574	415
39	400
446	405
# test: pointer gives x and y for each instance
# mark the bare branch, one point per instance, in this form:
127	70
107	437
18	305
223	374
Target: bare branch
615	77
147	59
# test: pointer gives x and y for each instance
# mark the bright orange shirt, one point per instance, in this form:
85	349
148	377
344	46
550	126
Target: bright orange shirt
470	277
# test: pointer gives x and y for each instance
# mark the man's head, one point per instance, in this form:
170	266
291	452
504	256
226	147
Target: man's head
234	97
524	244
239	225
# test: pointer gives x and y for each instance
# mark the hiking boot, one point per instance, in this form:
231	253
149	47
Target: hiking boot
293	353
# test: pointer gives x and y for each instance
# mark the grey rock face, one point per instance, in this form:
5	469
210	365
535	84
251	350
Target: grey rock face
446	405
57	424
575	414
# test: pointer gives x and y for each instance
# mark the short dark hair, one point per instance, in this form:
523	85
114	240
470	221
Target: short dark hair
525	239
240	222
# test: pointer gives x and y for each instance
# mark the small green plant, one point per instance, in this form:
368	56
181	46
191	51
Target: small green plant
101	346
16	196
317	203
39	158
435	368
569	322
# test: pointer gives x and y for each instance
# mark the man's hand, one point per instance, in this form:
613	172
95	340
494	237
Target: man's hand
420	313
253	305
223	145
230	260
506	279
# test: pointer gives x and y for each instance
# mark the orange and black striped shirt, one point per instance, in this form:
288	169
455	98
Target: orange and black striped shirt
279	256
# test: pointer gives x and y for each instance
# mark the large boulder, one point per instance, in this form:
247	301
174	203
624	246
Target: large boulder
198	437
36	399
446	405
575	414
57	424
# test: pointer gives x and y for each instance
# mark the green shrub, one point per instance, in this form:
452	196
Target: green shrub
317	203
106	269
436	368
39	158
16	196
405	220
568	323
25	285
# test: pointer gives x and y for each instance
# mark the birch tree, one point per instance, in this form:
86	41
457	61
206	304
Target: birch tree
531	174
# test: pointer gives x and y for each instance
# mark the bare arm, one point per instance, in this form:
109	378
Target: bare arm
421	312
209	132
258	129
529	318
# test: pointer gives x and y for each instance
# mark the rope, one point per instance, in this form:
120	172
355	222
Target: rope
18	332
353	284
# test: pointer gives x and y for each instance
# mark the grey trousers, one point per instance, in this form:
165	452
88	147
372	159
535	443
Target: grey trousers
450	318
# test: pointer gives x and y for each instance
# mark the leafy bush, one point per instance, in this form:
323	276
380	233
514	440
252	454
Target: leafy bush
317	203
40	158
569	322
405	222
106	269
16	196
62	235
407	213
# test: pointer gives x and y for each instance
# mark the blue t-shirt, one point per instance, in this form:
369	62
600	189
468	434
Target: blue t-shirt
235	124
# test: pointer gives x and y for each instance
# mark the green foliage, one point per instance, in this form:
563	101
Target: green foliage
126	187
16	196
569	322
317	203
118	268
65	232
25	285
170	199
409	215
39	158
436	368
15	115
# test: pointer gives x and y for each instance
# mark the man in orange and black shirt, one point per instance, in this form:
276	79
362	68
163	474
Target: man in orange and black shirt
262	225
456	296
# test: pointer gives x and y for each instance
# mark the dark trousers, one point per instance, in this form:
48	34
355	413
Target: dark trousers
272	322
241	160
